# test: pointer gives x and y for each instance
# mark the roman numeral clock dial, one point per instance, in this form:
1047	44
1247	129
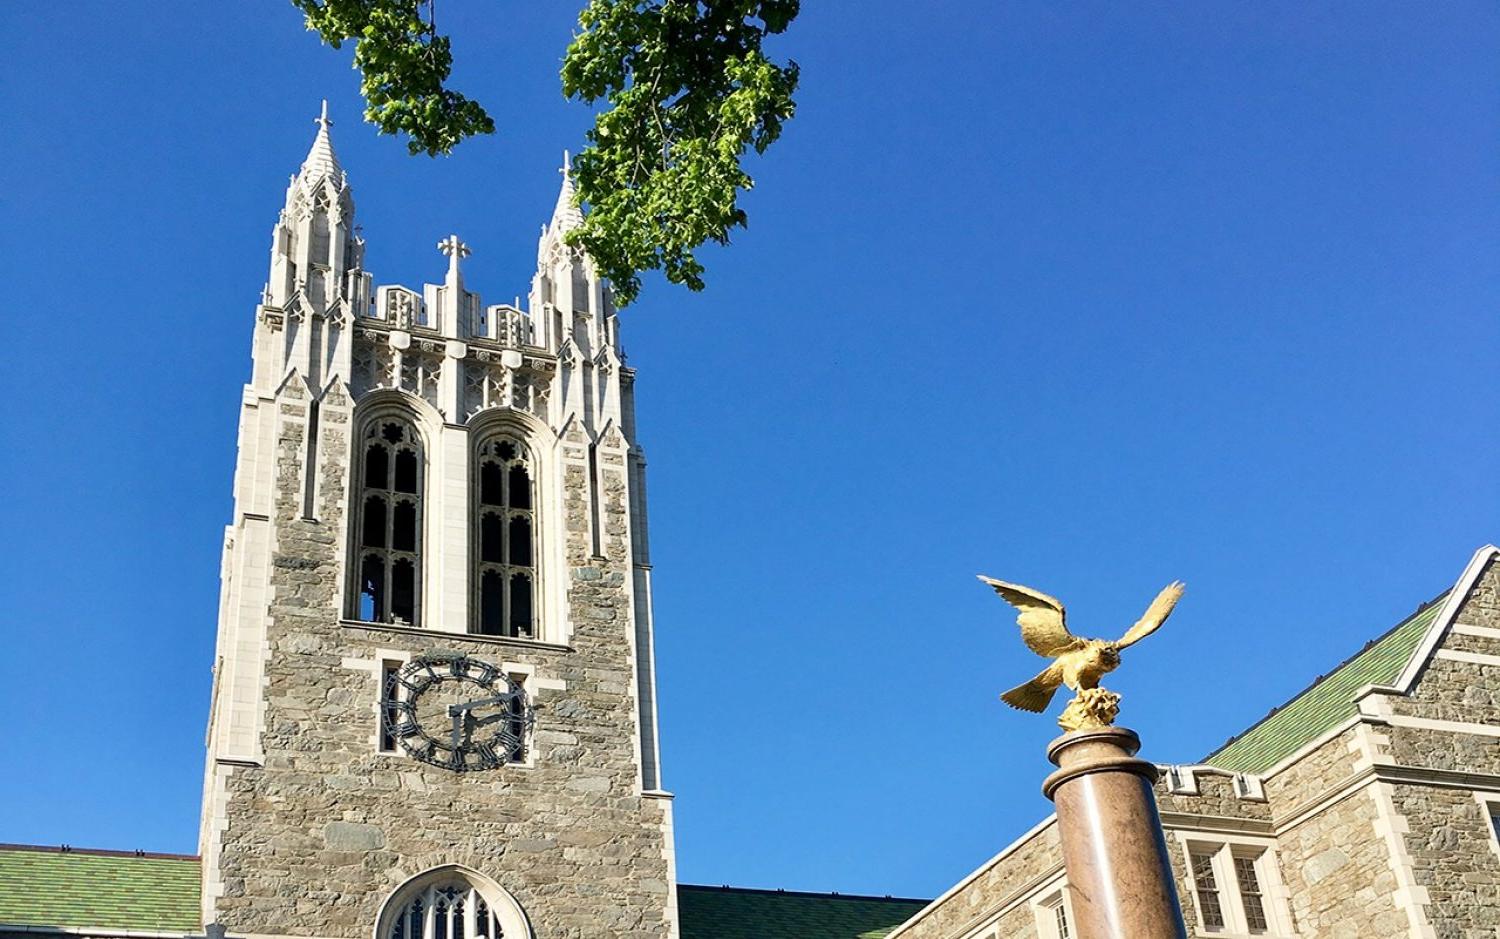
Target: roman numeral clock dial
458	713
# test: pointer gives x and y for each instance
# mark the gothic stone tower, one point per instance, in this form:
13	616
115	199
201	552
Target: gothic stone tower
433	712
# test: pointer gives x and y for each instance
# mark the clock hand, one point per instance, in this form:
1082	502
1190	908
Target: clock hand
458	717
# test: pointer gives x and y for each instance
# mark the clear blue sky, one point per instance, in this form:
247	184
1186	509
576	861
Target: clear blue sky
1089	296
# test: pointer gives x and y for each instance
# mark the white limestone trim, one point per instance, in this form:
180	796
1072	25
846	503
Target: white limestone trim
669	854
1439	778
1409	896
1005	852
1484	632
1217	824
513	920
1182	779
216	823
1452	727
1472	658
466	637
1368	747
1445	617
1489	808
1275	895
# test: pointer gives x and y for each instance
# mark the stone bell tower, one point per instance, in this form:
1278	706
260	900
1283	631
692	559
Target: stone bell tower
433	710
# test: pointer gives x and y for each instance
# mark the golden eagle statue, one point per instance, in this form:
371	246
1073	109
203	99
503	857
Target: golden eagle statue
1078	663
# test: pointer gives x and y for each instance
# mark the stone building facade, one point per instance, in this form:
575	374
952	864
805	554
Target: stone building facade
433	697
434	713
1367	806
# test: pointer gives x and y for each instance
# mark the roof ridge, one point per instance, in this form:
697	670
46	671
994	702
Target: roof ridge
67	849
725	888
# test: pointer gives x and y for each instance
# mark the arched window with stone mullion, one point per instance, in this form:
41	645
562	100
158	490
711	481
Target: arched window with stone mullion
452	910
387	523
505	553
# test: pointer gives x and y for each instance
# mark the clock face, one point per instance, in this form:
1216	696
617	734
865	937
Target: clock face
458	713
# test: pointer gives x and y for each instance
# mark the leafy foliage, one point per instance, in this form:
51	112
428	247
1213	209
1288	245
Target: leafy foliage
687	90
404	63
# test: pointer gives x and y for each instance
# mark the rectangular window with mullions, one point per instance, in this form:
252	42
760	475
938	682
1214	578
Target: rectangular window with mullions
1229	883
1052	915
1206	888
1060	921
1250	895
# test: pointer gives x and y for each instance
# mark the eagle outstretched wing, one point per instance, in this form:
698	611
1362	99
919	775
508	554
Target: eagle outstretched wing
1155	614
1043	621
1036	694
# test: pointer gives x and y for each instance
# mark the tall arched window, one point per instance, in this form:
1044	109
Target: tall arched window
505	546
387	524
452	903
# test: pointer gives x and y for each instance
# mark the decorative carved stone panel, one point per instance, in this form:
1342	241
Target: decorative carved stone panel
489	383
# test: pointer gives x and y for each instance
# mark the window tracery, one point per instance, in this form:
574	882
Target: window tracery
505	542
453	909
387	523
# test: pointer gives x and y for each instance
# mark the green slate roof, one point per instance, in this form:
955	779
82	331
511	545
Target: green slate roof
734	913
110	889
1328	701
45	886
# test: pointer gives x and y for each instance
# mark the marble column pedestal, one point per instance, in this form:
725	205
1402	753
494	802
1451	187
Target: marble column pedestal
1119	878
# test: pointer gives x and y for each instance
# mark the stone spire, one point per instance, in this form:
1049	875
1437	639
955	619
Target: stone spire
321	162
566	215
316	273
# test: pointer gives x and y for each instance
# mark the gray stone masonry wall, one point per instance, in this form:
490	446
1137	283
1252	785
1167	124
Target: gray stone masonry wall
1456	691
1336	864
1453	855
1005	882
1448	839
1338	873
1482	645
320	835
1216	797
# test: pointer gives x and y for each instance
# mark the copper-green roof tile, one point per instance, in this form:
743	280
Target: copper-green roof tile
1328	701
734	913
107	889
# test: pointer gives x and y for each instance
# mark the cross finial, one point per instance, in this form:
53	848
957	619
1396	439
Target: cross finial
455	251
322	119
